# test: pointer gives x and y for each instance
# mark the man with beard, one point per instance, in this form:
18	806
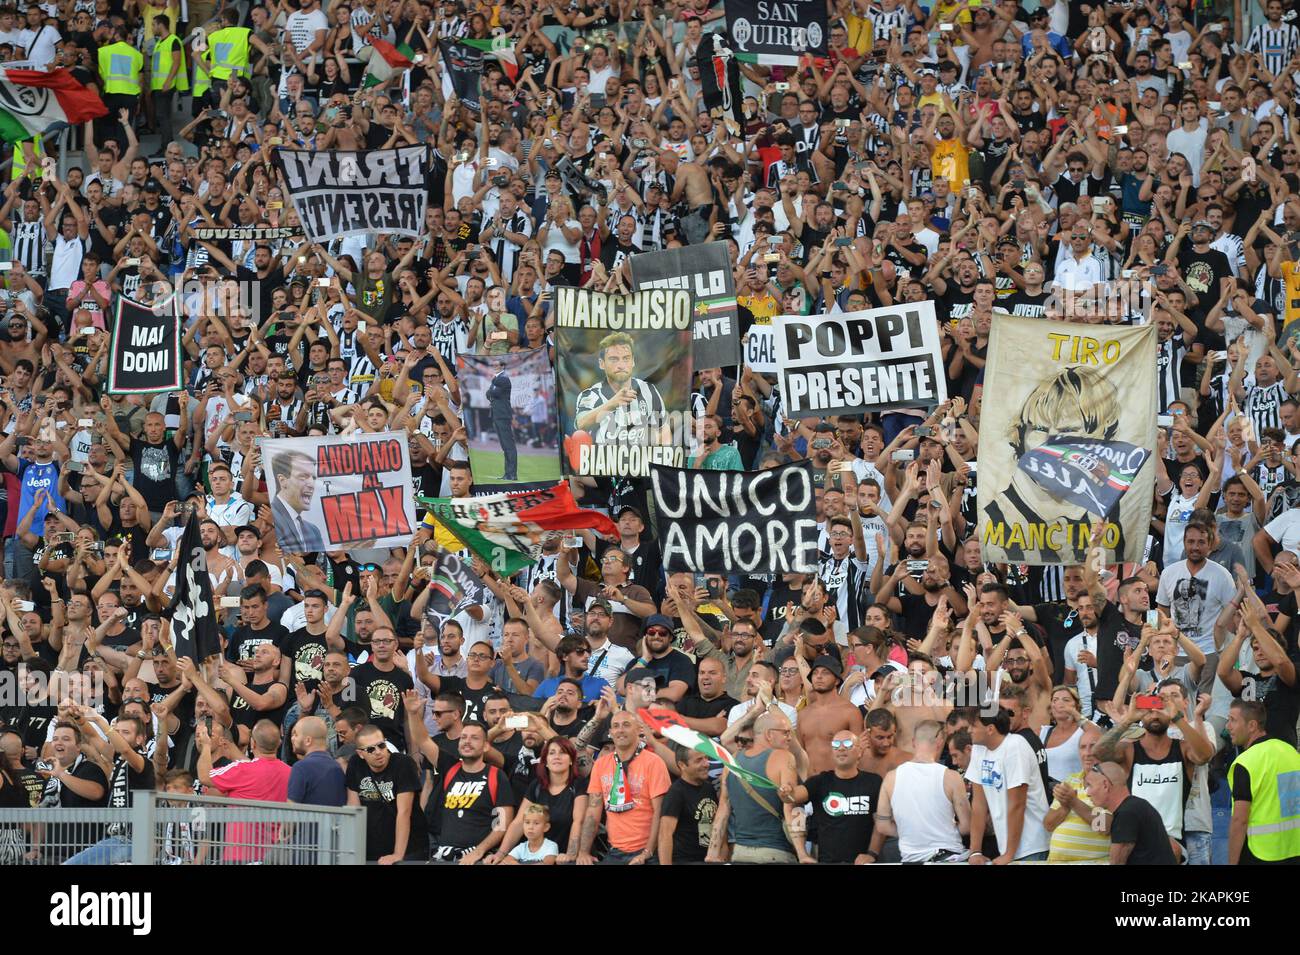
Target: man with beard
130	771
574	654
1026	664
623	409
1160	767
1080	654
324	700
955	299
1119	625
1194	591
517	749
826	714
565	710
1059	619
844	801
1272	682
917	604
671	668
473	688
689	807
736	653
472	804
630	603
606	659
257	693
379	684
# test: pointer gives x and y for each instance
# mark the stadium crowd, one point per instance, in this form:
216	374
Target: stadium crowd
1124	163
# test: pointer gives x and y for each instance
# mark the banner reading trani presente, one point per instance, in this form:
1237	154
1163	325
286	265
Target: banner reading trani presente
1068	415
777	32
623	366
509	412
340	491
339	193
733	521
146	352
706	271
850	363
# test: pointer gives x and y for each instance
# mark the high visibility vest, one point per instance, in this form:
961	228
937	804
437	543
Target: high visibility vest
119	67
20	159
1273	830
166	52
228	52
202	78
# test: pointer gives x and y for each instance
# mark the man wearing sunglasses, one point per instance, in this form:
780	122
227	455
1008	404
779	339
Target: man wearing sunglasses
844	801
387	784
630	602
672	668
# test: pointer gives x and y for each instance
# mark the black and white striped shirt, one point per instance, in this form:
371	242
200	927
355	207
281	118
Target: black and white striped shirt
1276	45
507	253
1263	405
29	246
1169	362
886	24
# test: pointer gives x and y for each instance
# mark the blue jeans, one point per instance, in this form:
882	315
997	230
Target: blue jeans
1197	847
1036	857
112	850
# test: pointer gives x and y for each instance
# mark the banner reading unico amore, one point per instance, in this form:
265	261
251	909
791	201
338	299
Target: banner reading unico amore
339	491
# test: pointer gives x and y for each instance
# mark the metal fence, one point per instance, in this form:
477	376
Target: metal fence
172	829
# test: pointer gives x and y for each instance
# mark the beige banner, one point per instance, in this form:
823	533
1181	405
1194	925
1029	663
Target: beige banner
1045	380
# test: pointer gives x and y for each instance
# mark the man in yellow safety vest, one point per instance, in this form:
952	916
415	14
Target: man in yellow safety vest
120	65
1265	782
167	75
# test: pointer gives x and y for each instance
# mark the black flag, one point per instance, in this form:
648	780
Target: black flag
193	611
461	66
720	83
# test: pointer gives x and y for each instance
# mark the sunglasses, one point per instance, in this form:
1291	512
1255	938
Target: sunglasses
658	631
366	568
372	749
788	671
842	744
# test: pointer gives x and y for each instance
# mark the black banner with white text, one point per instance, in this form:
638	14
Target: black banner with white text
356	192
146	353
706	271
761	522
777	32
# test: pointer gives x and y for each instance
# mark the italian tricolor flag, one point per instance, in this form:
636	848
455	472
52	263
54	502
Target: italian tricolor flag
385	60
33	100
672	727
501	48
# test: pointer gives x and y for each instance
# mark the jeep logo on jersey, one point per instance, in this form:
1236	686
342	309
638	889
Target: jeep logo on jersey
838	804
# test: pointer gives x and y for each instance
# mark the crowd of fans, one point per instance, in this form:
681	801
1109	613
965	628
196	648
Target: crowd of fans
1124	163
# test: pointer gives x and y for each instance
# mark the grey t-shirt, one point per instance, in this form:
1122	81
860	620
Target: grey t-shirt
1194	601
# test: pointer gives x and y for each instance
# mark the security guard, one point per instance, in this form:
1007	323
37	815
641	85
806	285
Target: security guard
167	75
119	73
228	52
1265	781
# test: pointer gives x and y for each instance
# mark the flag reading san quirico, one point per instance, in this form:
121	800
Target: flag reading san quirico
339	491
623	367
777	32
1066	425
877	359
145	356
356	192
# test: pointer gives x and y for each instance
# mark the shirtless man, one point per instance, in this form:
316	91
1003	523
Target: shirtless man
1027	665
881	754
826	714
920	699
15	344
692	183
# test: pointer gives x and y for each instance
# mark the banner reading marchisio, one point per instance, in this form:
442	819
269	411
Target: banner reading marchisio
340	491
761	522
356	192
706	271
849	363
145	355
623	366
1068	413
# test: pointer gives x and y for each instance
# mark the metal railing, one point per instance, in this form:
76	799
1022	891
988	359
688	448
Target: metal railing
175	829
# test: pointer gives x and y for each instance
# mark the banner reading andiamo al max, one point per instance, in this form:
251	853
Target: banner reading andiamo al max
355	192
340	491
849	363
1068	413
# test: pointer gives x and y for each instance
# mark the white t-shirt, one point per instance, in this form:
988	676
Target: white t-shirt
555	241
999	770
1285	529
737	712
1084	675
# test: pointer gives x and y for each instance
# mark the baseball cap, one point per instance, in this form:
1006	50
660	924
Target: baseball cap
1202	224
657	620
602	603
885	669
828	662
637	674
251	528
625	508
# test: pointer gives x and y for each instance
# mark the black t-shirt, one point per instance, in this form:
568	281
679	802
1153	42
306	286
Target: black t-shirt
520	763
694	808
570	730
88	772
674	666
779	595
307	651
156	467
245	641
467	804
124	780
844	814
243	713
916	614
1136	821
381	692
379	792
474	699
698	708
1114	636
560	805
1202	271
1281	703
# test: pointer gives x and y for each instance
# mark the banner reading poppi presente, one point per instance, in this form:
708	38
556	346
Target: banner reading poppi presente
1068	413
339	491
509	414
623	366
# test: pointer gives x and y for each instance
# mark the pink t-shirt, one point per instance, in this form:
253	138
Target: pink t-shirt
264	779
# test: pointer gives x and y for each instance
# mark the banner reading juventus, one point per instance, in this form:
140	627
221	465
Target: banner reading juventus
623	366
146	352
356	192
509	418
850	363
1064	443
340	491
777	32
706	271
762	522
256	232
